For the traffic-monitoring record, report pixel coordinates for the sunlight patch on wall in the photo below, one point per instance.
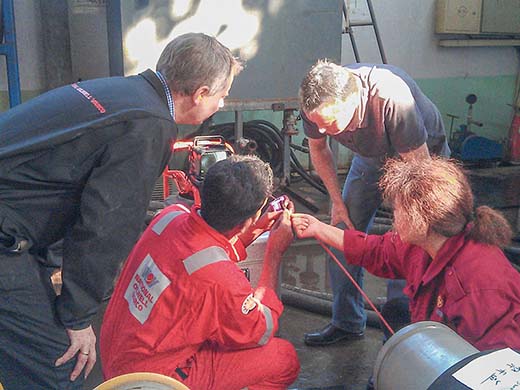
(236, 27)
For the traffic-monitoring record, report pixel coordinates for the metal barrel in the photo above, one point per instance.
(415, 356)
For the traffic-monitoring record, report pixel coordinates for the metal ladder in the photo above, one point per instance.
(8, 49)
(349, 29)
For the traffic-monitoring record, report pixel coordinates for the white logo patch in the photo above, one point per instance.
(145, 288)
(248, 304)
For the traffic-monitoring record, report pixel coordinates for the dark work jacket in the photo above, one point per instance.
(79, 163)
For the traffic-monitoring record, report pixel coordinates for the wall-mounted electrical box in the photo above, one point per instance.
(485, 17)
(500, 16)
(458, 16)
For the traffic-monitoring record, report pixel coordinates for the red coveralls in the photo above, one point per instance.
(183, 308)
(469, 286)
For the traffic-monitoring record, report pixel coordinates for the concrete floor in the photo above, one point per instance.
(346, 365)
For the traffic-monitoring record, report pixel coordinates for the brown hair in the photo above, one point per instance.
(324, 82)
(436, 195)
(193, 60)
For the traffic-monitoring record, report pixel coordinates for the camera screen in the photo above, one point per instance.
(279, 203)
(210, 158)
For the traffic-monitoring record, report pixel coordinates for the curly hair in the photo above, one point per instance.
(233, 190)
(435, 195)
(324, 82)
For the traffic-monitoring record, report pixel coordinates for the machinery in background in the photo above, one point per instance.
(274, 146)
(203, 152)
(180, 185)
(9, 50)
(469, 147)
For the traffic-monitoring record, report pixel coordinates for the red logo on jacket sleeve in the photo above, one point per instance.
(249, 304)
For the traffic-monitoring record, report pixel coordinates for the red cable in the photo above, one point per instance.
(357, 286)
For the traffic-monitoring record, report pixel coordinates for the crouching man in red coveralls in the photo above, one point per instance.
(182, 307)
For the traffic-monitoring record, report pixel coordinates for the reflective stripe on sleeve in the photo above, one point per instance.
(268, 324)
(202, 258)
(165, 220)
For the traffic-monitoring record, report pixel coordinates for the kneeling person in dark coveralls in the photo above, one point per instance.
(183, 308)
(78, 166)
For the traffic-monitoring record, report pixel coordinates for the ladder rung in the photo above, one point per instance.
(359, 24)
(372, 22)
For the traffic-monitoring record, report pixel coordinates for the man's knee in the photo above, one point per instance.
(285, 361)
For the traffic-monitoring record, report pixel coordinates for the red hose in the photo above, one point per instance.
(358, 287)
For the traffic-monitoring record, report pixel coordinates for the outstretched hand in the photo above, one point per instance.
(83, 346)
(305, 225)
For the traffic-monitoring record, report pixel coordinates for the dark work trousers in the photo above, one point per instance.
(396, 312)
(31, 336)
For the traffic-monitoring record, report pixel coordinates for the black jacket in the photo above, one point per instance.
(79, 163)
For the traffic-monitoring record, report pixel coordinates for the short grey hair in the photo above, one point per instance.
(193, 60)
(325, 82)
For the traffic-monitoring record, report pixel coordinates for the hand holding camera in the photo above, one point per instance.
(281, 203)
(271, 213)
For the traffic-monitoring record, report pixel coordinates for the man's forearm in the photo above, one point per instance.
(270, 269)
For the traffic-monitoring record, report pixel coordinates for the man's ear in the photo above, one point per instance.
(246, 224)
(240, 229)
(200, 94)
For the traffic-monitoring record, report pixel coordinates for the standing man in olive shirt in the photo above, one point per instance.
(78, 164)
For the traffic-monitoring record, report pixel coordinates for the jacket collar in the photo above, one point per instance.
(150, 76)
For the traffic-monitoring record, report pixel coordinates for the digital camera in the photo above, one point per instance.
(280, 203)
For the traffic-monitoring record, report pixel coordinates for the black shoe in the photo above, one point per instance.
(330, 335)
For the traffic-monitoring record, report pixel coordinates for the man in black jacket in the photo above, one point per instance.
(78, 164)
